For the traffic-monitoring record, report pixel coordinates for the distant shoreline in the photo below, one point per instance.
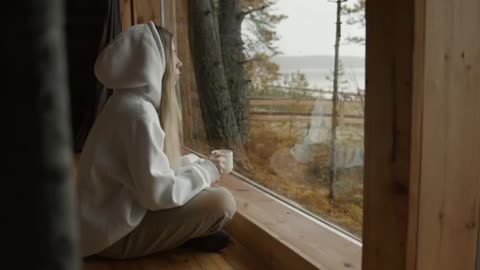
(317, 67)
(317, 55)
(316, 61)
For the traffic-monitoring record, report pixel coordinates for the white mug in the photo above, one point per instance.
(228, 155)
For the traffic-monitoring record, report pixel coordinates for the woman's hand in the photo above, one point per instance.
(219, 162)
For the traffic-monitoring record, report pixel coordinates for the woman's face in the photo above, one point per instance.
(176, 61)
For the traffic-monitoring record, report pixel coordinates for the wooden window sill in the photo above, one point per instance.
(285, 237)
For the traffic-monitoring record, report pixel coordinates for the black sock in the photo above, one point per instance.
(210, 243)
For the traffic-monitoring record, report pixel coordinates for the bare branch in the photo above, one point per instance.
(246, 61)
(245, 13)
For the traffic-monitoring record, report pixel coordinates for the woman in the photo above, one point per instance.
(137, 195)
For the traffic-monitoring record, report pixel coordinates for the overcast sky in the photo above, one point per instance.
(310, 29)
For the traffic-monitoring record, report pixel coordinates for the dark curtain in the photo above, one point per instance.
(111, 27)
(38, 215)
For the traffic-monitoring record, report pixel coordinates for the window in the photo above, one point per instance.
(295, 87)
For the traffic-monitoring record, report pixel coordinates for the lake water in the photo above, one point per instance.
(317, 67)
(354, 77)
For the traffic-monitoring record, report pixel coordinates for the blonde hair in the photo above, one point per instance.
(170, 108)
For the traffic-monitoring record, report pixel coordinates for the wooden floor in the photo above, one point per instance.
(234, 256)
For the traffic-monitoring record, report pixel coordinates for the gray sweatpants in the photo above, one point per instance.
(204, 214)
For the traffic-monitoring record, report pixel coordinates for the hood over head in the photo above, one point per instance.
(134, 61)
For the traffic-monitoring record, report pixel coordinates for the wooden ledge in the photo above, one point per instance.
(284, 237)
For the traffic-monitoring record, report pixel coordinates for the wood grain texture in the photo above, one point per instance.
(286, 238)
(170, 16)
(388, 107)
(147, 10)
(193, 125)
(234, 257)
(126, 13)
(417, 135)
(450, 187)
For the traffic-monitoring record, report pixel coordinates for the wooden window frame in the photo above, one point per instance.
(405, 40)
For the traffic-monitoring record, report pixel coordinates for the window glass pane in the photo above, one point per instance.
(293, 147)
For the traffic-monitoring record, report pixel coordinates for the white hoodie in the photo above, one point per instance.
(123, 170)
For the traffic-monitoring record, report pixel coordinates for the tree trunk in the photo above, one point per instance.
(230, 19)
(333, 152)
(217, 111)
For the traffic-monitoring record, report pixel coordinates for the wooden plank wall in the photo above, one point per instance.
(141, 11)
(187, 78)
(170, 14)
(478, 249)
(422, 189)
(416, 141)
(449, 198)
(193, 129)
(176, 21)
(148, 10)
(387, 132)
(126, 13)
